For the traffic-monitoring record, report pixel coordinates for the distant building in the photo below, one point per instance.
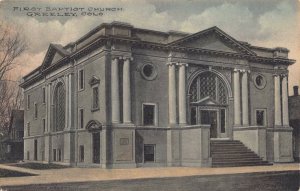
(122, 96)
(294, 113)
(14, 144)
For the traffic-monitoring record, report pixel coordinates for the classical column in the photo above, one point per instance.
(126, 92)
(182, 94)
(285, 110)
(172, 94)
(245, 102)
(277, 100)
(115, 100)
(237, 99)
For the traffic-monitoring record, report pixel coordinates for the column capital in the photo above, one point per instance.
(114, 57)
(245, 71)
(236, 70)
(182, 64)
(241, 70)
(284, 75)
(127, 58)
(170, 63)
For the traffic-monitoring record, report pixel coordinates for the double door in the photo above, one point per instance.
(215, 117)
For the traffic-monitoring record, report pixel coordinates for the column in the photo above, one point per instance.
(182, 94)
(245, 103)
(126, 92)
(115, 100)
(172, 94)
(277, 100)
(71, 101)
(49, 107)
(237, 99)
(285, 105)
(67, 101)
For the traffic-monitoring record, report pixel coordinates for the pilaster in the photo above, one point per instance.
(277, 104)
(285, 105)
(115, 99)
(126, 91)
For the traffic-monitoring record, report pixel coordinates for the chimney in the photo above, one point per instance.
(296, 93)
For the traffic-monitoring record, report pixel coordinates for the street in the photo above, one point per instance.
(266, 181)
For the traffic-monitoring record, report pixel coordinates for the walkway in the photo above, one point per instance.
(96, 174)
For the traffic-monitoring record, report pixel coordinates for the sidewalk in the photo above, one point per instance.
(96, 174)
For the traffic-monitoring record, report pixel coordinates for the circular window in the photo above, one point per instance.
(259, 81)
(149, 71)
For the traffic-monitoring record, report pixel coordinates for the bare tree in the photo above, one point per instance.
(11, 97)
(12, 45)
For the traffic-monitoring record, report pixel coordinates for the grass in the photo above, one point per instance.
(39, 166)
(10, 173)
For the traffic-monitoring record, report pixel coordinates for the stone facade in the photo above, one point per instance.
(122, 96)
(294, 115)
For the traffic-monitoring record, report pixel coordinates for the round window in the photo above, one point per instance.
(259, 81)
(149, 71)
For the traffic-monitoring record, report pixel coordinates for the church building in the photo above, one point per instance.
(125, 97)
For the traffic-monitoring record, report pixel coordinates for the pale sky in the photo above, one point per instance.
(268, 23)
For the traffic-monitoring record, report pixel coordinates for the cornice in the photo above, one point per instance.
(137, 43)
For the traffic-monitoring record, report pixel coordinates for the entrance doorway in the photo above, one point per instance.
(96, 147)
(208, 102)
(210, 117)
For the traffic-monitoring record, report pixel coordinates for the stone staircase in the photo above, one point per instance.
(232, 153)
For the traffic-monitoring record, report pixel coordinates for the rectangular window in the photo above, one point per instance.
(44, 125)
(44, 95)
(193, 115)
(28, 129)
(81, 153)
(28, 155)
(148, 114)
(205, 117)
(260, 117)
(223, 120)
(28, 101)
(81, 115)
(54, 154)
(149, 153)
(35, 110)
(35, 149)
(81, 79)
(95, 98)
(59, 154)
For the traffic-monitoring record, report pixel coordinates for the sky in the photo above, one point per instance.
(268, 23)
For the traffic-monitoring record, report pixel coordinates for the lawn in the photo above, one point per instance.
(39, 166)
(10, 173)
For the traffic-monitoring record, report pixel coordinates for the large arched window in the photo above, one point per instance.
(59, 108)
(208, 84)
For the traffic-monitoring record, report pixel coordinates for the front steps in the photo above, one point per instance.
(232, 153)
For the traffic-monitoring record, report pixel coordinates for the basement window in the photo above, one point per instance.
(149, 153)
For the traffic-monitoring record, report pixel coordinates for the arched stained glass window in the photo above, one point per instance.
(208, 84)
(59, 108)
